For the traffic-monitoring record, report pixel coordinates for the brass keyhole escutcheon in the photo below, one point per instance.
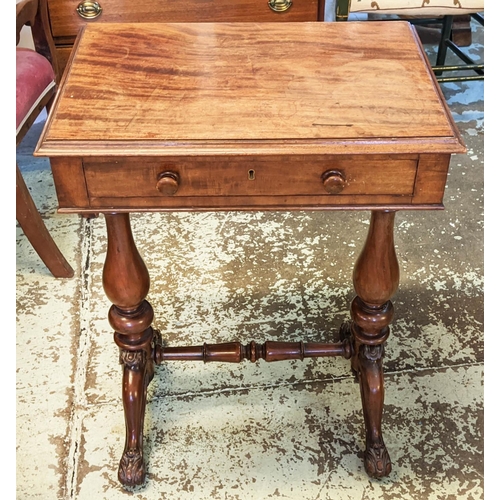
(89, 9)
(251, 174)
(279, 5)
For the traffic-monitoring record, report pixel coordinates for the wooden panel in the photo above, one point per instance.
(252, 82)
(66, 22)
(431, 178)
(69, 181)
(250, 176)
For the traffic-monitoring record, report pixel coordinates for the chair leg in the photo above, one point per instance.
(443, 42)
(35, 230)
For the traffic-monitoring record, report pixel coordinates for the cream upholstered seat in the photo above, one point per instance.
(420, 8)
(426, 12)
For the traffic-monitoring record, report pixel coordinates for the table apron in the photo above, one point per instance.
(280, 182)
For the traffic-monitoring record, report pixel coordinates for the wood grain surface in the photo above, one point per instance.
(147, 87)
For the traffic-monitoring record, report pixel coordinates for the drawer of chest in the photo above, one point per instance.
(68, 16)
(250, 176)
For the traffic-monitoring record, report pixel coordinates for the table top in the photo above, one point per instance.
(245, 88)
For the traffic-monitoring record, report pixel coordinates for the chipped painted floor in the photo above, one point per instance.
(289, 430)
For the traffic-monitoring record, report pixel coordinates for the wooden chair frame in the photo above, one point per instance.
(34, 13)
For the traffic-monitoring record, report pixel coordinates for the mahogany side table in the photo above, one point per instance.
(249, 116)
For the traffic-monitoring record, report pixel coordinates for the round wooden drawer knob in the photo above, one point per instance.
(168, 183)
(333, 181)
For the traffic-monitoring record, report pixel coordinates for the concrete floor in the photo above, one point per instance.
(249, 432)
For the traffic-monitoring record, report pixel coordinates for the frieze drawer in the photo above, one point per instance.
(179, 182)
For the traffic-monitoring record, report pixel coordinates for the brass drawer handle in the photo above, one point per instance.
(168, 183)
(89, 9)
(279, 5)
(333, 181)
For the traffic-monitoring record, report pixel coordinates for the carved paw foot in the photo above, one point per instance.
(132, 471)
(377, 461)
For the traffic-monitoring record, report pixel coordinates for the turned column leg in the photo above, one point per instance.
(376, 278)
(126, 283)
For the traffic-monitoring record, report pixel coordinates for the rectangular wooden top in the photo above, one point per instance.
(244, 88)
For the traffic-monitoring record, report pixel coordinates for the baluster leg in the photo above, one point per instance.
(126, 283)
(376, 278)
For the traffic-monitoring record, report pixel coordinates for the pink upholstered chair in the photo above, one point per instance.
(36, 84)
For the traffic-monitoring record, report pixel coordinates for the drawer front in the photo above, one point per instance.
(66, 21)
(263, 181)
